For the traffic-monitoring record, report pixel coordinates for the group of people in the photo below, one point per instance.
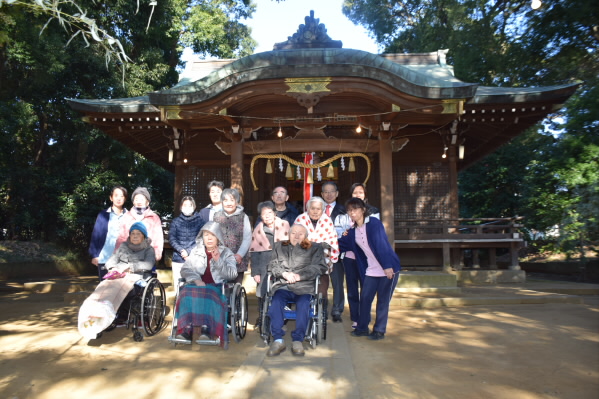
(217, 244)
(125, 245)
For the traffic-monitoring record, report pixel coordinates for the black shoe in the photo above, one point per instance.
(184, 336)
(337, 318)
(360, 333)
(205, 331)
(376, 336)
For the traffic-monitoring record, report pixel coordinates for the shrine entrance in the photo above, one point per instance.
(407, 114)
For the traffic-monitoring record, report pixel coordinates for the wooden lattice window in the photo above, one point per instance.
(195, 181)
(421, 192)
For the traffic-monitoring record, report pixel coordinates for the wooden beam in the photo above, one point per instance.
(291, 145)
(179, 180)
(454, 208)
(386, 181)
(237, 166)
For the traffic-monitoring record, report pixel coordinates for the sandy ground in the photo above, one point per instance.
(501, 351)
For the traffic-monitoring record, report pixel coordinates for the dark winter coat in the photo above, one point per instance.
(182, 234)
(308, 263)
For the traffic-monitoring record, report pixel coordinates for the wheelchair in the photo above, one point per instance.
(237, 316)
(317, 325)
(144, 308)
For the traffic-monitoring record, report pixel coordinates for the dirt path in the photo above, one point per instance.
(503, 351)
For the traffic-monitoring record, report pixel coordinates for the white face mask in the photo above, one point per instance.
(187, 210)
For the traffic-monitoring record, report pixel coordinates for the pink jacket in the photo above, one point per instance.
(260, 242)
(323, 232)
(153, 224)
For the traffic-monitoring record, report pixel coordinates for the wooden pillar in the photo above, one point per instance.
(454, 206)
(514, 263)
(493, 258)
(446, 257)
(475, 259)
(179, 175)
(237, 165)
(386, 181)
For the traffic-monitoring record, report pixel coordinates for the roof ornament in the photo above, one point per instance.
(312, 34)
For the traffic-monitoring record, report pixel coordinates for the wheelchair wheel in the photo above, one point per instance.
(138, 336)
(265, 324)
(318, 320)
(321, 321)
(153, 307)
(239, 312)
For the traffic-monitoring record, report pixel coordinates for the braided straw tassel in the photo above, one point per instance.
(331, 171)
(352, 165)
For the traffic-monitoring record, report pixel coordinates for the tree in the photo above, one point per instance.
(506, 43)
(57, 171)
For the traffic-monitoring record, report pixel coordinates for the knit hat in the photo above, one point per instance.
(141, 227)
(143, 191)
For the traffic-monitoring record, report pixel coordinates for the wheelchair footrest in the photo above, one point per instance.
(208, 341)
(179, 341)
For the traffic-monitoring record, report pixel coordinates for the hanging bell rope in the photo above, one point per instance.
(307, 165)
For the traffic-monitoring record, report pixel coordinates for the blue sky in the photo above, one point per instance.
(273, 22)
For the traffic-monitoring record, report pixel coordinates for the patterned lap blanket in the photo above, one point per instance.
(198, 306)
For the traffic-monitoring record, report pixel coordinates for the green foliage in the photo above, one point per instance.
(212, 27)
(550, 174)
(56, 170)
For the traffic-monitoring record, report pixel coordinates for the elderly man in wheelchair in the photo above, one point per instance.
(129, 293)
(295, 268)
(207, 301)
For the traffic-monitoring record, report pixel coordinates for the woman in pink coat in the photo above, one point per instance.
(141, 212)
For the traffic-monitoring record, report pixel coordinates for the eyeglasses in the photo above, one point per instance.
(279, 193)
(329, 192)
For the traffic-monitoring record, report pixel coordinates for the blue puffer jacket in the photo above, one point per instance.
(182, 234)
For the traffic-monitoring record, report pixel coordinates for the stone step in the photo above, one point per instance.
(57, 286)
(486, 300)
(479, 276)
(437, 290)
(418, 279)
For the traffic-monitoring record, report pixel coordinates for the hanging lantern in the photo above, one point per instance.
(289, 172)
(268, 167)
(309, 178)
(331, 171)
(352, 166)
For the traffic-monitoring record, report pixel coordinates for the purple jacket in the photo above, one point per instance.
(378, 243)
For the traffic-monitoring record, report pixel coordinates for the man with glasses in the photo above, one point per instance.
(329, 193)
(284, 209)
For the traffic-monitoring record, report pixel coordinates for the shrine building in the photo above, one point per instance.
(400, 123)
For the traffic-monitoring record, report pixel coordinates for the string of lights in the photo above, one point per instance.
(278, 120)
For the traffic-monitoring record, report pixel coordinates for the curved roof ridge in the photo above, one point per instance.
(427, 81)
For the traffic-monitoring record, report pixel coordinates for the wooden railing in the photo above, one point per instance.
(463, 233)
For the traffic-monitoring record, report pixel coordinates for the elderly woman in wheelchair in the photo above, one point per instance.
(295, 267)
(129, 280)
(206, 299)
